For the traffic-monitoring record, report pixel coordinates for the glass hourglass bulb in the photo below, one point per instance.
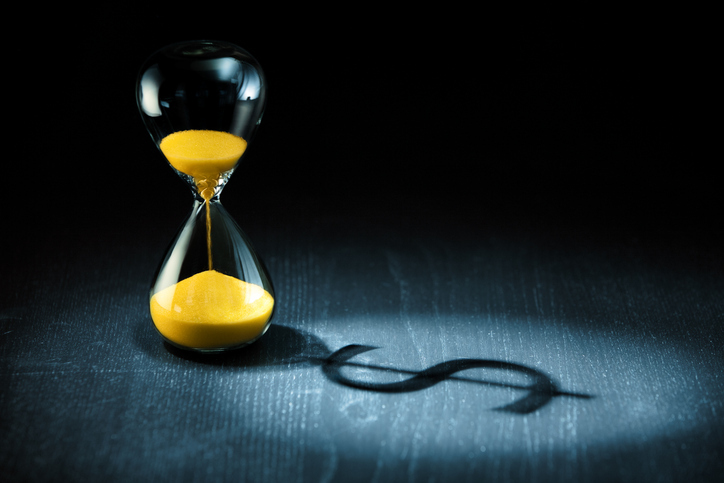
(202, 102)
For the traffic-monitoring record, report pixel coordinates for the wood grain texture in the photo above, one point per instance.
(90, 391)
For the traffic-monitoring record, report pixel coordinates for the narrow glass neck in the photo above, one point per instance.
(207, 189)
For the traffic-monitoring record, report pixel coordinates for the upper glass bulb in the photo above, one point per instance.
(202, 102)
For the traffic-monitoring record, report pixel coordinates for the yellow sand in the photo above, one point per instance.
(203, 154)
(211, 310)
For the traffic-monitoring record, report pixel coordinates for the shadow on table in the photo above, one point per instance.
(285, 346)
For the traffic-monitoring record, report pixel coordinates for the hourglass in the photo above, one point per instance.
(202, 102)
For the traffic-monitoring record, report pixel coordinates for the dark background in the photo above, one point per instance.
(443, 182)
(582, 118)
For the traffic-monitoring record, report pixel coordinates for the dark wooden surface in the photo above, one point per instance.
(526, 221)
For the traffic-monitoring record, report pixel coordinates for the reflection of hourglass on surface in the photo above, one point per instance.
(202, 101)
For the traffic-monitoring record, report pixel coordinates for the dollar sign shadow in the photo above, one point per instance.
(539, 393)
(288, 347)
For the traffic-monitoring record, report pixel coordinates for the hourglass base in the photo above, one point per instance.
(214, 350)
